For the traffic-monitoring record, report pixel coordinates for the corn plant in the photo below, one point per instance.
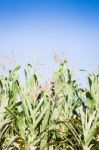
(60, 116)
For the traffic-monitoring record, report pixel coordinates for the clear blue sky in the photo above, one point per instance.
(33, 29)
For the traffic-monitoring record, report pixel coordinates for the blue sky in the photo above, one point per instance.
(32, 29)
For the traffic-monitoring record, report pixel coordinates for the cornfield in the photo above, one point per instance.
(58, 116)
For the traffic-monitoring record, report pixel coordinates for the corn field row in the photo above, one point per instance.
(58, 116)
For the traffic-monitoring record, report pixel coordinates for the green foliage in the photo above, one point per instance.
(62, 116)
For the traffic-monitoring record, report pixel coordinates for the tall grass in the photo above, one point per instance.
(60, 116)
